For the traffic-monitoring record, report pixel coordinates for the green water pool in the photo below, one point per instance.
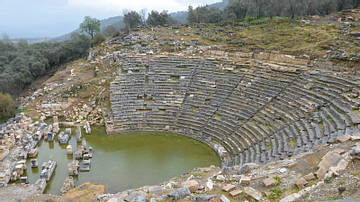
(125, 161)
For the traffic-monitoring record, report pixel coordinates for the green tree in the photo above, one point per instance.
(214, 15)
(155, 18)
(238, 8)
(110, 30)
(74, 36)
(90, 26)
(7, 105)
(22, 44)
(131, 19)
(191, 18)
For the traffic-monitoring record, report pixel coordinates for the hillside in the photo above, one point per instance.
(277, 99)
(117, 21)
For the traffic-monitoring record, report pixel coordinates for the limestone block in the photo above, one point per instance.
(229, 187)
(33, 152)
(224, 199)
(220, 178)
(320, 173)
(355, 137)
(204, 198)
(235, 192)
(328, 175)
(291, 198)
(343, 138)
(245, 180)
(191, 184)
(356, 153)
(141, 199)
(155, 190)
(269, 182)
(132, 196)
(69, 149)
(309, 176)
(209, 185)
(301, 183)
(253, 193)
(179, 193)
(331, 159)
(244, 169)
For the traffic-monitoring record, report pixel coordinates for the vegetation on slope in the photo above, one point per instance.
(21, 63)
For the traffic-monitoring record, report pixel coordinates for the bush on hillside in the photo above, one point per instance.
(7, 105)
(98, 39)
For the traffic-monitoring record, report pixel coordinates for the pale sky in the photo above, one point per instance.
(52, 18)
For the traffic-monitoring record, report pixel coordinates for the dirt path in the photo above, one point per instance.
(39, 82)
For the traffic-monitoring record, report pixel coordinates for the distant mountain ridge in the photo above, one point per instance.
(181, 16)
(116, 21)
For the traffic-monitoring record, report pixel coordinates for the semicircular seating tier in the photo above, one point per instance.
(258, 114)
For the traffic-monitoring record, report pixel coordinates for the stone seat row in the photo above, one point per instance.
(257, 117)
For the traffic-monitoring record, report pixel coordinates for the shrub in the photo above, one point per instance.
(277, 180)
(275, 193)
(116, 34)
(7, 105)
(98, 39)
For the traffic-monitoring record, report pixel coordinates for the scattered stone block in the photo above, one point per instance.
(328, 175)
(301, 183)
(269, 182)
(191, 184)
(355, 137)
(141, 199)
(224, 199)
(229, 187)
(74, 168)
(69, 149)
(209, 185)
(356, 153)
(245, 180)
(179, 193)
(339, 151)
(33, 153)
(67, 185)
(4, 151)
(331, 159)
(253, 193)
(133, 195)
(206, 170)
(244, 169)
(220, 178)
(205, 198)
(343, 138)
(290, 165)
(333, 170)
(320, 173)
(282, 170)
(235, 177)
(291, 198)
(309, 176)
(230, 171)
(235, 192)
(155, 190)
(24, 180)
(34, 163)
